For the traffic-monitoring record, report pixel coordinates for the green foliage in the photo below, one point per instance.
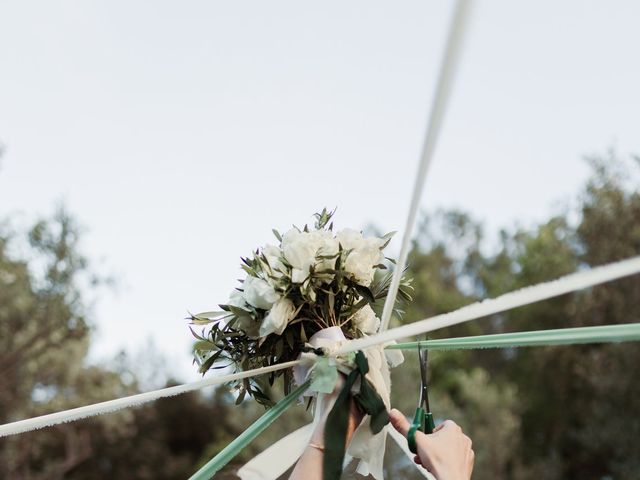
(327, 295)
(44, 337)
(553, 413)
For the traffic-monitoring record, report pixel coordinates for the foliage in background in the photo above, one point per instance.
(44, 337)
(553, 413)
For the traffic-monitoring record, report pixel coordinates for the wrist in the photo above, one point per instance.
(355, 418)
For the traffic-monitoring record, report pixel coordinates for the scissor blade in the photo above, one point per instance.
(424, 395)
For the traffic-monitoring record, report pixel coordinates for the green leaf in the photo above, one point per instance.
(288, 335)
(405, 294)
(204, 345)
(277, 235)
(239, 312)
(195, 321)
(210, 361)
(386, 239)
(249, 270)
(261, 397)
(366, 293)
(241, 395)
(196, 335)
(211, 315)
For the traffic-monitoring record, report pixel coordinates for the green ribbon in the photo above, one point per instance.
(235, 447)
(371, 403)
(565, 336)
(335, 434)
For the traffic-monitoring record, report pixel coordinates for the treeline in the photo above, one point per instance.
(553, 412)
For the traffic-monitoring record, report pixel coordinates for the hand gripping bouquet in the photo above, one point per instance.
(300, 299)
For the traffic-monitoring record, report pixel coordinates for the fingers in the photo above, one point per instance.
(450, 425)
(438, 427)
(399, 422)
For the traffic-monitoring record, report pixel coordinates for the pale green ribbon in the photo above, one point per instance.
(214, 465)
(567, 336)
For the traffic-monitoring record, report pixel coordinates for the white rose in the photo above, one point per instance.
(274, 258)
(278, 317)
(237, 299)
(245, 322)
(349, 238)
(300, 252)
(301, 249)
(259, 293)
(365, 320)
(326, 246)
(365, 254)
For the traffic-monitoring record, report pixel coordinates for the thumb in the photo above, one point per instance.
(399, 421)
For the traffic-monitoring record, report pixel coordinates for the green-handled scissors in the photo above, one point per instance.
(422, 420)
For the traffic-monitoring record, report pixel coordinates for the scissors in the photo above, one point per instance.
(423, 419)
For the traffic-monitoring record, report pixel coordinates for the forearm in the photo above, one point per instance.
(309, 466)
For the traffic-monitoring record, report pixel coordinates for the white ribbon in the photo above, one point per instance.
(402, 443)
(101, 408)
(441, 95)
(570, 283)
(279, 457)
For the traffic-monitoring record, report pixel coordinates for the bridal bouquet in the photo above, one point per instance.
(311, 280)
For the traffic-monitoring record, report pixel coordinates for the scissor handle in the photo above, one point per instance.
(422, 421)
(417, 424)
(429, 426)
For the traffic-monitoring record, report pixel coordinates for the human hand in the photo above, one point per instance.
(309, 466)
(446, 453)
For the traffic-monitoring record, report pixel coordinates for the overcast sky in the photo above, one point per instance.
(180, 133)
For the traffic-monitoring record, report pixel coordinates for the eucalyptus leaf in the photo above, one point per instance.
(288, 334)
(241, 395)
(204, 345)
(211, 315)
(366, 293)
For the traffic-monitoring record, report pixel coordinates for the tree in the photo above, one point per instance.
(565, 410)
(45, 333)
(551, 412)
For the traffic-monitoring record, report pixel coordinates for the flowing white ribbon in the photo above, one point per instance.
(450, 58)
(525, 296)
(109, 406)
(279, 457)
(519, 298)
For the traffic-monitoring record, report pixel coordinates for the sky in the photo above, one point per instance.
(181, 133)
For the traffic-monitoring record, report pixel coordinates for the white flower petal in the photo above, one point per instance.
(278, 317)
(259, 293)
(365, 320)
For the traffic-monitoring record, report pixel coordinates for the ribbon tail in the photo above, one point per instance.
(336, 431)
(402, 443)
(278, 458)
